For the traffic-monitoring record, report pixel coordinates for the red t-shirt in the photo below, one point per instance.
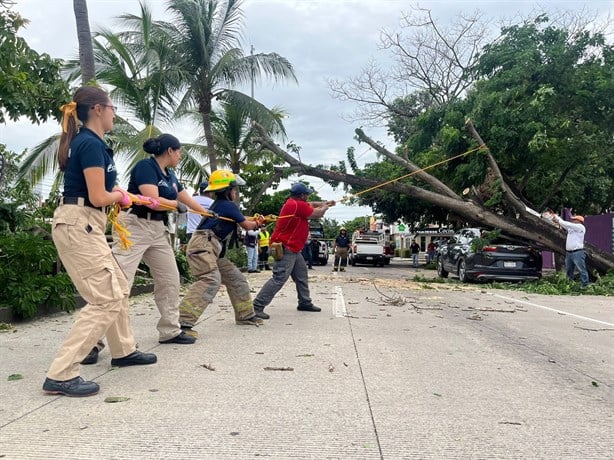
(293, 231)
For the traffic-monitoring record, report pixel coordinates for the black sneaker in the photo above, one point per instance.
(136, 358)
(253, 321)
(74, 387)
(261, 314)
(308, 308)
(92, 357)
(181, 339)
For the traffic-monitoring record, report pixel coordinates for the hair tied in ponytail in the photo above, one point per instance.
(69, 110)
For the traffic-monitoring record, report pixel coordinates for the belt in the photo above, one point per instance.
(208, 232)
(150, 215)
(575, 250)
(80, 201)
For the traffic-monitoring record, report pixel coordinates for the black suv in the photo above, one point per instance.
(473, 254)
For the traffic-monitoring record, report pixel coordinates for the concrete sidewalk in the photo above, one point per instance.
(357, 381)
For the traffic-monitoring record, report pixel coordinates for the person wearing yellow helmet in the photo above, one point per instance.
(206, 251)
(341, 248)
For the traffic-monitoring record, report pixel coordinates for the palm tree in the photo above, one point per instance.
(84, 37)
(206, 41)
(137, 67)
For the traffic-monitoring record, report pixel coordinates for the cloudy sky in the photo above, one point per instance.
(323, 39)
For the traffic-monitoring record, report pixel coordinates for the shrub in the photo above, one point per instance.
(28, 275)
(237, 256)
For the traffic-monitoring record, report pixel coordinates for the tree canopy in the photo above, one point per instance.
(30, 83)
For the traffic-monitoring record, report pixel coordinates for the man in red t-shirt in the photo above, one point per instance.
(292, 231)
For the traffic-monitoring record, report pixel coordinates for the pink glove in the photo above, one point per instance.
(148, 201)
(125, 200)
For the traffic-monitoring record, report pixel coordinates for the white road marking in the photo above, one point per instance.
(554, 310)
(338, 302)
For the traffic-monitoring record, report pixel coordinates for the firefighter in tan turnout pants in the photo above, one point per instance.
(205, 253)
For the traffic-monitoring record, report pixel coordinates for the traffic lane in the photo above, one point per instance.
(461, 383)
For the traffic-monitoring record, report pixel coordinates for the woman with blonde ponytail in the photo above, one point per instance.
(78, 231)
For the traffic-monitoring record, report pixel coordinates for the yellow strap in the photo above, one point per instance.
(69, 110)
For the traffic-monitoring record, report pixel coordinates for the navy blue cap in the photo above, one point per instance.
(299, 189)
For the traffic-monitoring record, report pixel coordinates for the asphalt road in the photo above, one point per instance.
(390, 369)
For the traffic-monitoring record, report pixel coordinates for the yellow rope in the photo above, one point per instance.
(122, 232)
(480, 147)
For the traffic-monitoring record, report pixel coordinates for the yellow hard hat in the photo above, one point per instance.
(221, 179)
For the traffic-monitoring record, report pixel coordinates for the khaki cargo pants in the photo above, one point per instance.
(210, 272)
(79, 236)
(151, 243)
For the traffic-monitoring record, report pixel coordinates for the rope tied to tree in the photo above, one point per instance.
(478, 148)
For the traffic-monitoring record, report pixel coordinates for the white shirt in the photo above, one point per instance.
(193, 218)
(575, 234)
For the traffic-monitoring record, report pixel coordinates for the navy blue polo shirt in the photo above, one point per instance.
(148, 172)
(222, 227)
(87, 150)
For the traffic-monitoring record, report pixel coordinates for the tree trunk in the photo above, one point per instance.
(522, 223)
(84, 36)
(205, 111)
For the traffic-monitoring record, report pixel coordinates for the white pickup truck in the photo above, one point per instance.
(368, 248)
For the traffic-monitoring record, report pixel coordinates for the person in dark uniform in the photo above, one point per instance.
(341, 248)
(154, 179)
(206, 251)
(78, 231)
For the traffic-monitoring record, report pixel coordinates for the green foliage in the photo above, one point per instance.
(559, 284)
(184, 268)
(30, 83)
(477, 244)
(237, 256)
(27, 275)
(540, 103)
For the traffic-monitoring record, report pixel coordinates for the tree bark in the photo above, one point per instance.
(522, 223)
(84, 37)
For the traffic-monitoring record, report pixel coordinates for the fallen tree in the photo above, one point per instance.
(518, 219)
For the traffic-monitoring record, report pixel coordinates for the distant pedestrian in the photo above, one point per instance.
(430, 252)
(341, 248)
(574, 245)
(292, 230)
(414, 249)
(263, 248)
(251, 244)
(308, 254)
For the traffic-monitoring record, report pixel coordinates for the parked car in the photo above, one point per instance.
(369, 248)
(471, 256)
(321, 255)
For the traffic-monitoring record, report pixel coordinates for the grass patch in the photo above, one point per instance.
(555, 284)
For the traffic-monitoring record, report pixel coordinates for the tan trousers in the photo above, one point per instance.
(210, 272)
(151, 243)
(79, 236)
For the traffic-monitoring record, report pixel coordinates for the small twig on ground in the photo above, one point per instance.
(388, 299)
(278, 368)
